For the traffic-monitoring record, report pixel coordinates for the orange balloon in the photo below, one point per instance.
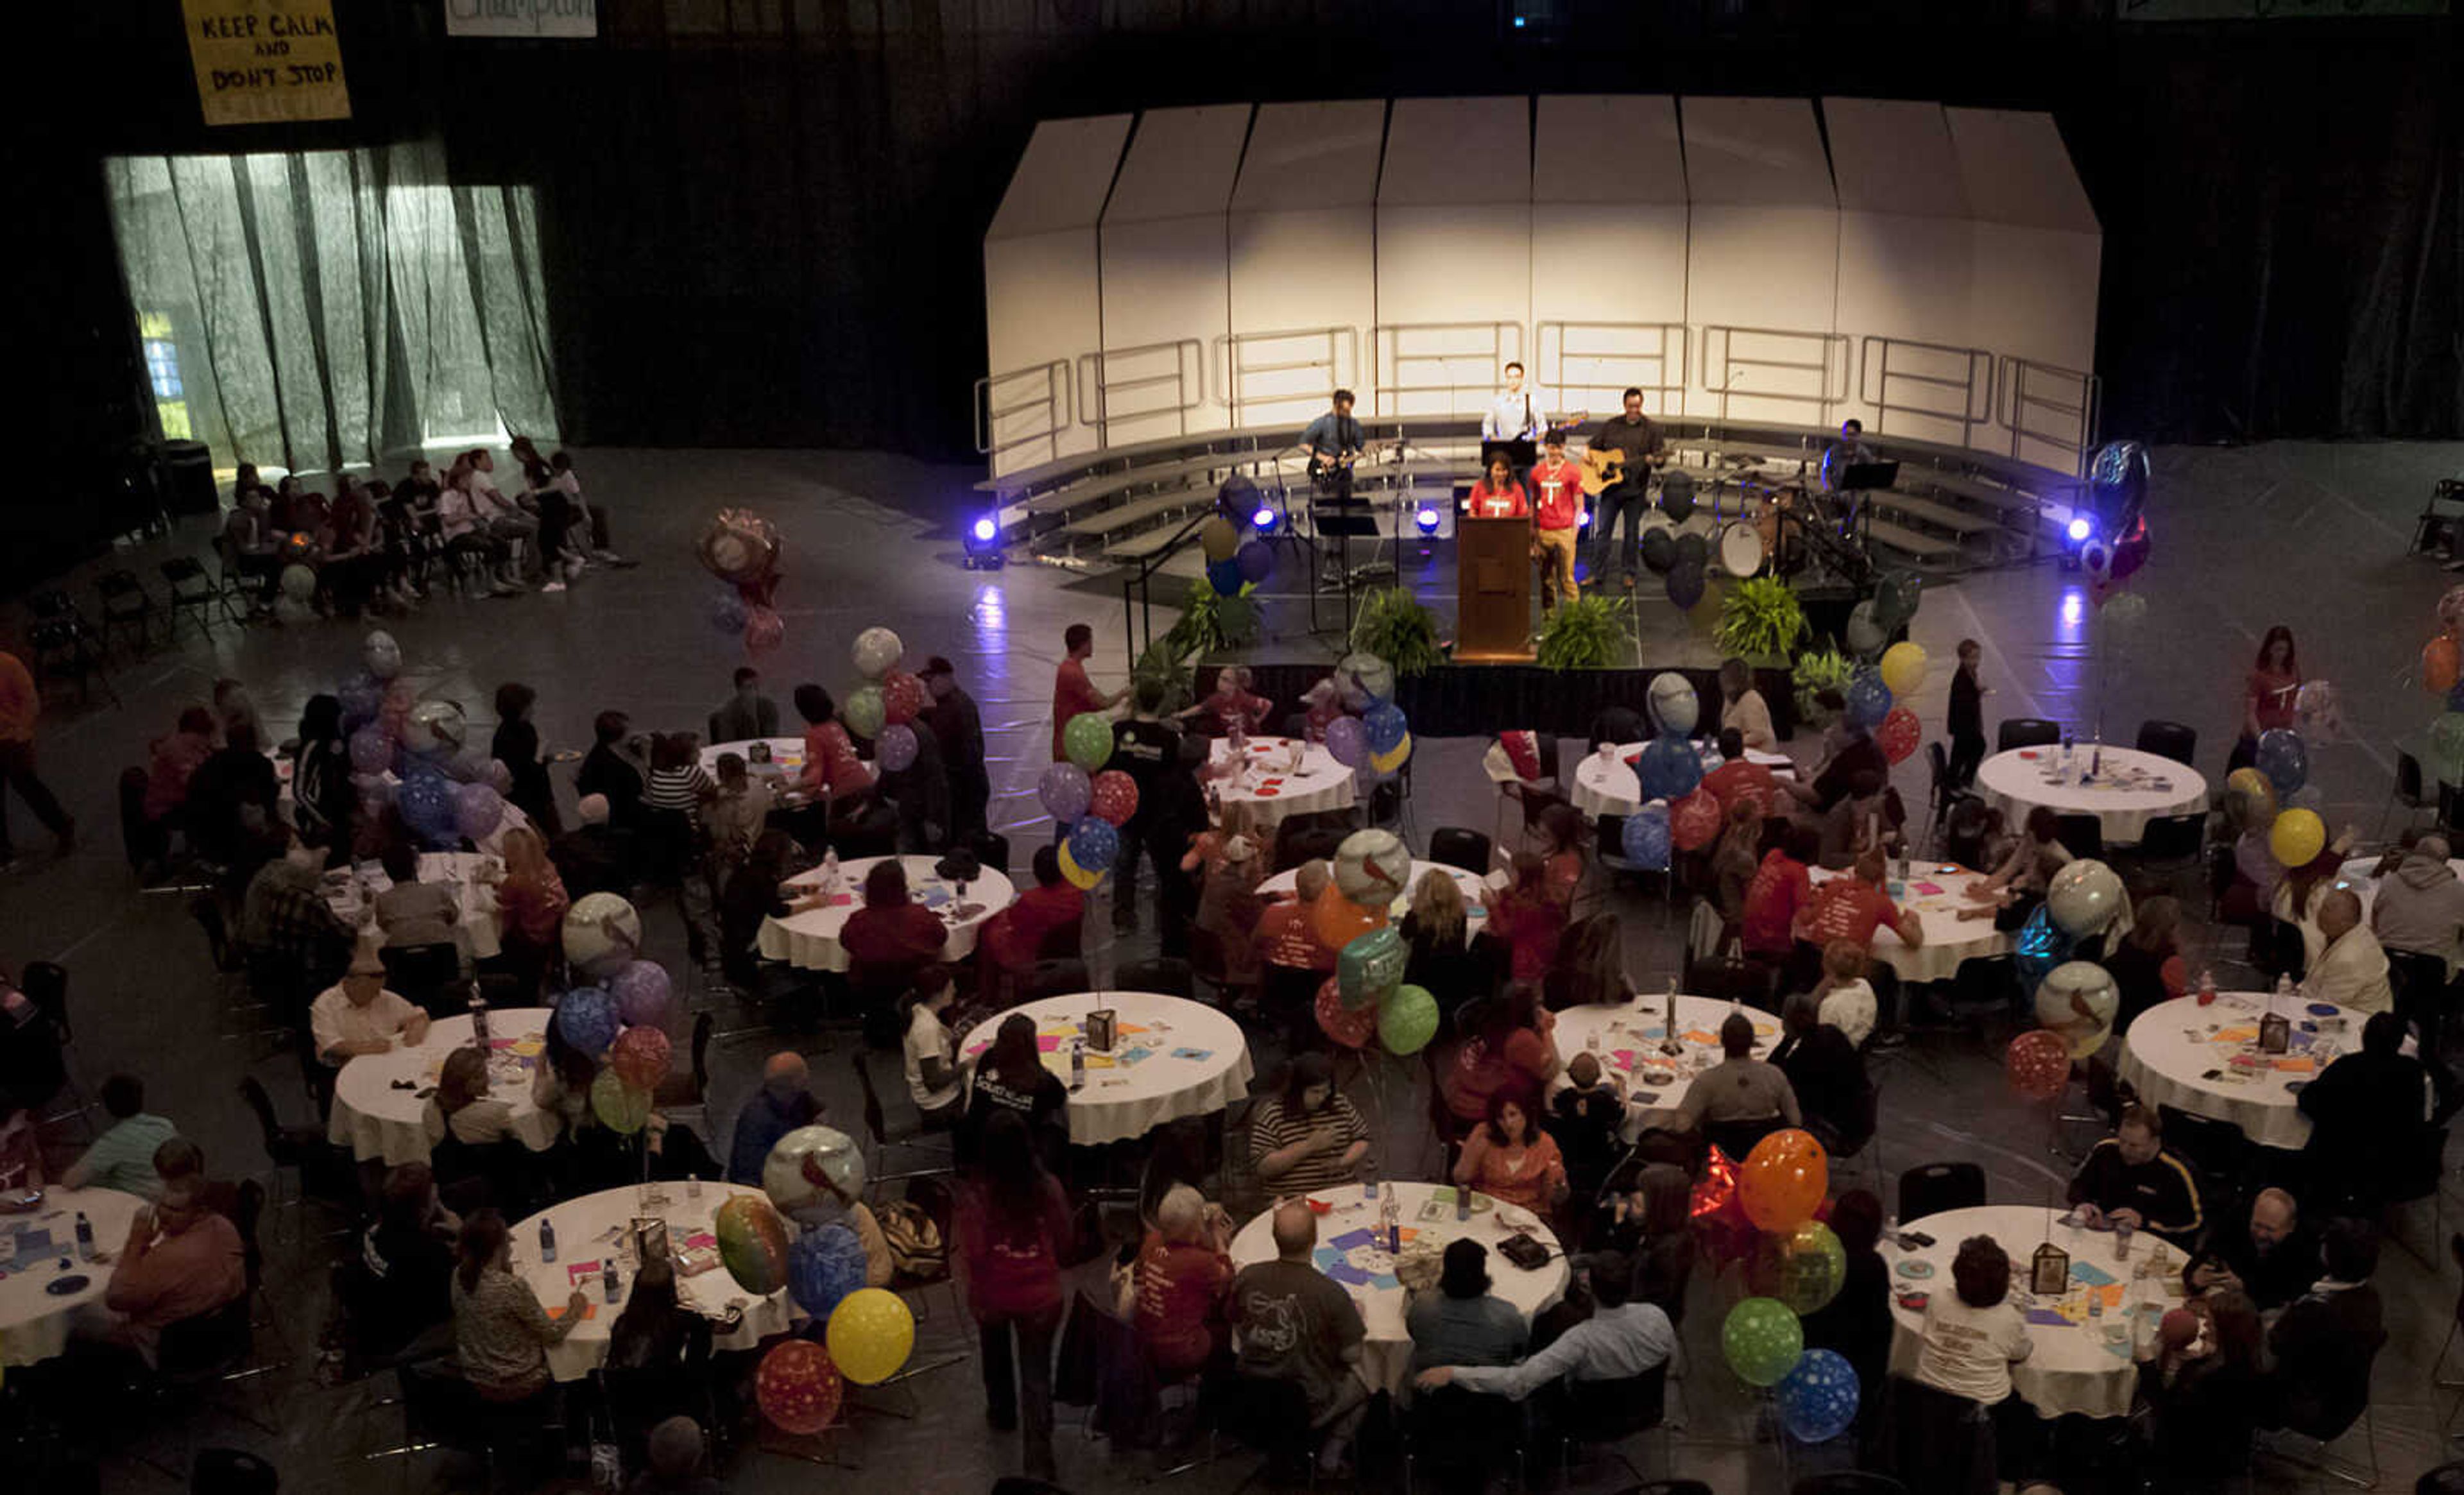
(1339, 921)
(1784, 1181)
(2439, 662)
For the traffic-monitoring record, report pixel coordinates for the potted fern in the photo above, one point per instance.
(1760, 621)
(1819, 670)
(1589, 632)
(1394, 625)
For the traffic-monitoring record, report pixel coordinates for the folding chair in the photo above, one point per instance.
(191, 595)
(2020, 732)
(2407, 791)
(128, 606)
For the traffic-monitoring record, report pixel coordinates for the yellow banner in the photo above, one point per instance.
(260, 62)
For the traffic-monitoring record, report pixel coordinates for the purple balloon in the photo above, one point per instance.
(727, 613)
(372, 751)
(1257, 560)
(897, 747)
(477, 809)
(1065, 791)
(1348, 740)
(641, 990)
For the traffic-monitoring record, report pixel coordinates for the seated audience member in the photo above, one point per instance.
(832, 771)
(2020, 878)
(21, 1151)
(1011, 1077)
(890, 939)
(1460, 1322)
(748, 712)
(1527, 919)
(359, 1016)
(1857, 1321)
(2269, 1256)
(2323, 1343)
(930, 1054)
(1852, 750)
(757, 891)
(1857, 823)
(410, 911)
(1590, 967)
(1309, 1136)
(516, 746)
(180, 1158)
(2204, 1397)
(594, 857)
(1229, 907)
(674, 1456)
(1740, 1090)
(2418, 907)
(1974, 1333)
(609, 769)
(256, 548)
(1564, 857)
(2367, 1111)
(1232, 704)
(1183, 1266)
(1287, 930)
(1512, 1047)
(1045, 918)
(2350, 970)
(1734, 861)
(122, 1157)
(1622, 1339)
(501, 1334)
(174, 761)
(781, 1105)
(181, 1260)
(462, 1107)
(1511, 1159)
(1010, 1230)
(1741, 780)
(1782, 888)
(1291, 1324)
(2129, 1179)
(1844, 999)
(1852, 908)
(1440, 958)
(532, 899)
(2146, 963)
(408, 1256)
(1827, 1075)
(1586, 1118)
(1743, 711)
(232, 796)
(286, 922)
(736, 815)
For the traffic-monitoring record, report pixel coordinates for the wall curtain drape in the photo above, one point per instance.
(334, 307)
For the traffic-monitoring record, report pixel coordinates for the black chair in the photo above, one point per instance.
(2407, 791)
(1273, 1417)
(686, 1096)
(1301, 839)
(2218, 1150)
(992, 851)
(1056, 978)
(2082, 836)
(1933, 1188)
(191, 594)
(1737, 1139)
(1461, 1431)
(1165, 975)
(1617, 726)
(2169, 740)
(2172, 845)
(1455, 845)
(1942, 792)
(429, 975)
(905, 1131)
(65, 648)
(46, 984)
(319, 1168)
(1604, 1414)
(126, 606)
(2022, 731)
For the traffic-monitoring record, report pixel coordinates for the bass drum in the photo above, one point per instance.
(1741, 549)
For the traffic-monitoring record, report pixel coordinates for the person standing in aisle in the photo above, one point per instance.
(21, 704)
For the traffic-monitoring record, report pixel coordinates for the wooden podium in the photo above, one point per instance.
(1493, 569)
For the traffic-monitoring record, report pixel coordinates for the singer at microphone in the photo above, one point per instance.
(1633, 438)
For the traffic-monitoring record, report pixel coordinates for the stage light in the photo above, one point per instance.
(983, 542)
(985, 530)
(1426, 520)
(1264, 521)
(2080, 530)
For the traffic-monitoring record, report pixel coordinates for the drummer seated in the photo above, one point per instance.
(2129, 1179)
(360, 1016)
(181, 1261)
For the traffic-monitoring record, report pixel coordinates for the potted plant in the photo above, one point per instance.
(1394, 625)
(1760, 621)
(1819, 670)
(1586, 633)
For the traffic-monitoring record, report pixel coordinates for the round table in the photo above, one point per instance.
(2135, 788)
(1286, 884)
(1607, 785)
(591, 1229)
(375, 1121)
(480, 931)
(1628, 1038)
(786, 757)
(810, 940)
(1171, 1058)
(2168, 1053)
(35, 1324)
(1273, 790)
(1937, 891)
(1347, 1253)
(2077, 1365)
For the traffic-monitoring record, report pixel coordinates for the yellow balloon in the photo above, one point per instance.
(2298, 837)
(1903, 668)
(870, 1335)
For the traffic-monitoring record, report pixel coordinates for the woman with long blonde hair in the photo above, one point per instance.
(1435, 931)
(533, 900)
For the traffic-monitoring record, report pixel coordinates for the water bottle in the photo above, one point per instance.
(1077, 1063)
(2206, 987)
(478, 1018)
(2096, 763)
(830, 869)
(1462, 1203)
(1390, 1221)
(84, 1238)
(547, 1241)
(608, 1279)
(1369, 1178)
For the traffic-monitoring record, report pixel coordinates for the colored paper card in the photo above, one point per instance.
(1193, 1055)
(589, 1311)
(2235, 1036)
(33, 1243)
(1354, 1240)
(1698, 1036)
(580, 1272)
(1621, 1058)
(2047, 1318)
(1135, 1056)
(839, 900)
(2087, 1274)
(1443, 1194)
(2298, 1066)
(1102, 1061)
(2111, 1294)
(1931, 888)
(1048, 1042)
(1349, 1275)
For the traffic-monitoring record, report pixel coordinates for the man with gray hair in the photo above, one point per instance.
(2269, 1256)
(1294, 1324)
(673, 1453)
(2419, 906)
(2352, 969)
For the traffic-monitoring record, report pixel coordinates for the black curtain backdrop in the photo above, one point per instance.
(762, 219)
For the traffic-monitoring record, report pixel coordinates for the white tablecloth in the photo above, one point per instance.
(810, 940)
(2013, 782)
(1475, 913)
(1347, 1253)
(1628, 1046)
(1949, 939)
(1607, 786)
(1271, 791)
(1191, 1061)
(786, 757)
(375, 1120)
(2076, 1367)
(590, 1228)
(35, 1323)
(480, 931)
(2168, 1053)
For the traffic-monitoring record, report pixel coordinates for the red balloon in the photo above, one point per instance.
(902, 697)
(1115, 797)
(796, 1387)
(1898, 735)
(2038, 1064)
(1351, 1029)
(640, 1055)
(1694, 820)
(765, 629)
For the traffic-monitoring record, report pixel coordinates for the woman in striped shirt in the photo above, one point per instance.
(671, 802)
(1308, 1137)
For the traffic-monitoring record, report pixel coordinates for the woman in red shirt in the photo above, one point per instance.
(533, 900)
(890, 938)
(832, 769)
(1496, 496)
(1182, 1270)
(1511, 1159)
(1514, 1048)
(1012, 1225)
(1528, 917)
(2268, 693)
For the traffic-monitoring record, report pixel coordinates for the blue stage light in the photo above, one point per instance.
(982, 543)
(1426, 520)
(1264, 521)
(2080, 530)
(985, 530)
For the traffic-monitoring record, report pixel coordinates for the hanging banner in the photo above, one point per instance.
(521, 18)
(265, 61)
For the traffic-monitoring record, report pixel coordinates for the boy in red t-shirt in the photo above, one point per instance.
(1781, 888)
(1557, 488)
(1287, 936)
(1852, 908)
(1736, 778)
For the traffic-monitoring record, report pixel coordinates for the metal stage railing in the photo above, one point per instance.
(1590, 365)
(1413, 364)
(1294, 368)
(1021, 408)
(1937, 385)
(1775, 363)
(1152, 380)
(2049, 409)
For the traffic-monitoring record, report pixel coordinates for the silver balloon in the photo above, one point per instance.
(805, 1159)
(1865, 635)
(602, 932)
(381, 655)
(2078, 1000)
(1674, 704)
(436, 727)
(2083, 897)
(1372, 868)
(877, 652)
(1366, 676)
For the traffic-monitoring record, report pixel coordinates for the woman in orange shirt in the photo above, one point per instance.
(1511, 1159)
(1498, 495)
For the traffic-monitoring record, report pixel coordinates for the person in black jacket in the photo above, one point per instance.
(322, 798)
(1857, 1321)
(1585, 1119)
(2130, 1179)
(606, 770)
(2367, 1112)
(516, 746)
(1146, 747)
(958, 728)
(2202, 1408)
(2324, 1343)
(1966, 716)
(1175, 814)
(2269, 1255)
(1827, 1073)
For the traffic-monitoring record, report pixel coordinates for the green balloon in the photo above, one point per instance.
(1408, 1020)
(624, 1109)
(862, 713)
(1802, 1267)
(1369, 967)
(1763, 1341)
(2447, 747)
(1088, 741)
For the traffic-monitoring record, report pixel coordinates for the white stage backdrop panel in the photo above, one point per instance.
(1167, 281)
(1762, 256)
(1303, 244)
(2034, 290)
(1042, 289)
(1608, 252)
(1905, 253)
(1453, 253)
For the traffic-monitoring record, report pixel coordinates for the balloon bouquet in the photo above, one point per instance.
(621, 1016)
(1089, 801)
(1888, 675)
(1794, 1265)
(1375, 740)
(1235, 566)
(414, 757)
(2442, 674)
(741, 549)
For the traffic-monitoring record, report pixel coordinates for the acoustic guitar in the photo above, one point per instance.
(1604, 468)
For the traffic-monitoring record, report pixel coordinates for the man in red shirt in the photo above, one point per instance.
(1556, 511)
(1072, 692)
(1286, 934)
(1015, 938)
(1736, 777)
(1781, 888)
(1852, 908)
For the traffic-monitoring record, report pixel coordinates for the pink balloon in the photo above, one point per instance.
(763, 629)
(641, 990)
(897, 745)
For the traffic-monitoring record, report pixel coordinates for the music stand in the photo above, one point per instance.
(1861, 475)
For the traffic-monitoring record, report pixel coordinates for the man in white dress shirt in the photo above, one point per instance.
(360, 1015)
(1513, 423)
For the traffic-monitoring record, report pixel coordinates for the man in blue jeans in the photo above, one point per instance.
(1634, 436)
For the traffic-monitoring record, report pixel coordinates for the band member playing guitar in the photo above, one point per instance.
(1334, 443)
(1632, 440)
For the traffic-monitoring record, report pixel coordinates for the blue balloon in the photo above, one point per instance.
(2284, 758)
(362, 698)
(1093, 842)
(1669, 768)
(1386, 726)
(427, 804)
(823, 1267)
(1256, 560)
(587, 1018)
(1869, 699)
(2041, 946)
(1224, 576)
(1817, 1400)
(727, 613)
(1646, 836)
